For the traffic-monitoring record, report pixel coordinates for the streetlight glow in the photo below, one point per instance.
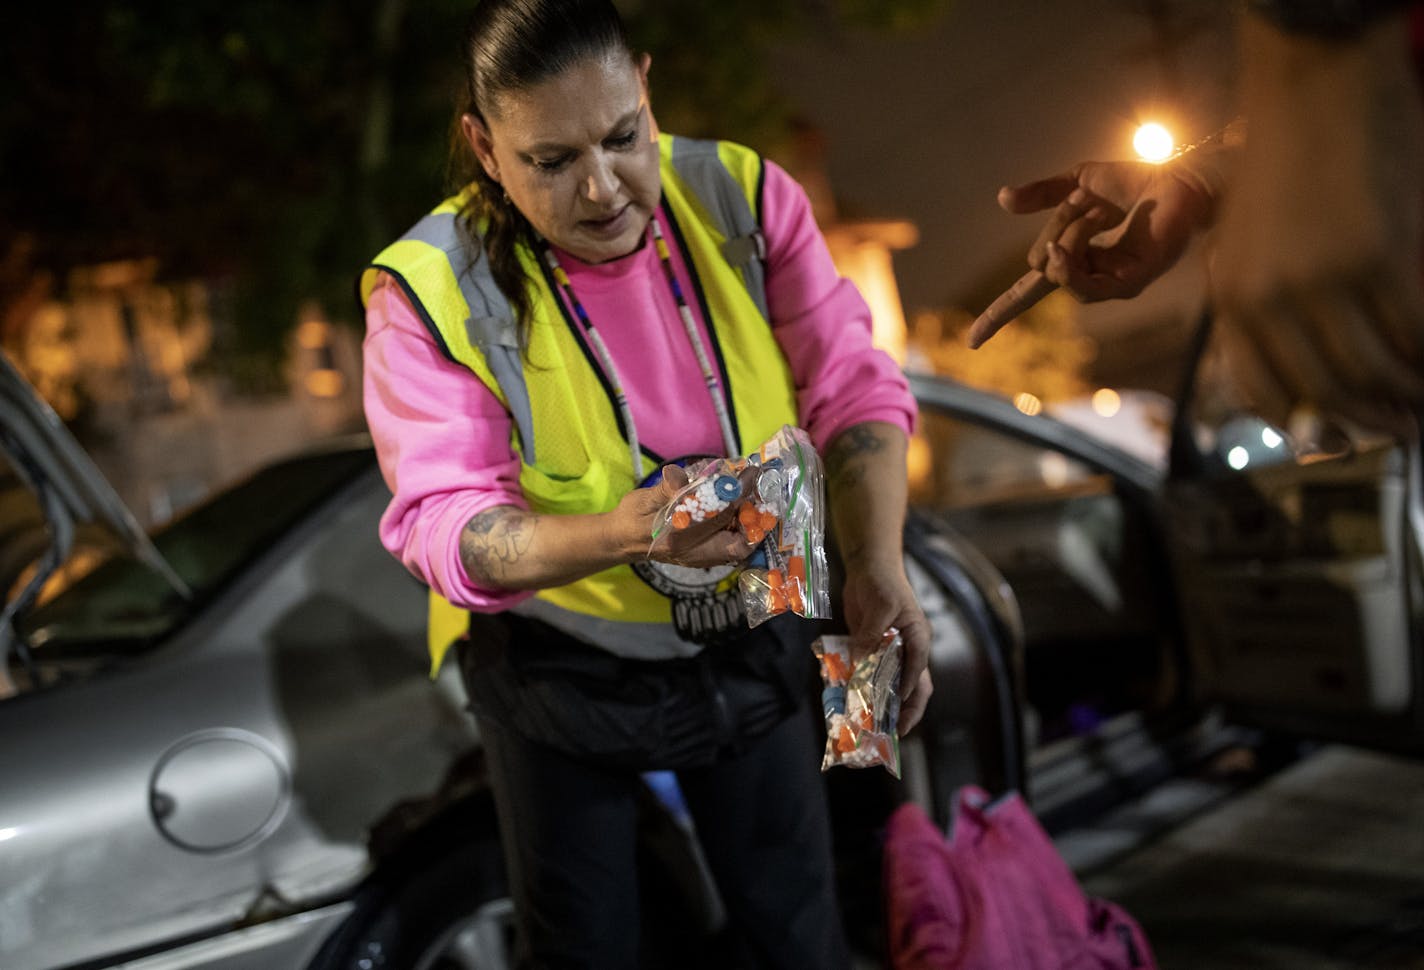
(1153, 142)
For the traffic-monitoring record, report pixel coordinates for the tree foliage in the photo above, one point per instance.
(1043, 352)
(227, 139)
(277, 145)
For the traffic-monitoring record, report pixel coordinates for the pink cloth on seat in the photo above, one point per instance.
(995, 896)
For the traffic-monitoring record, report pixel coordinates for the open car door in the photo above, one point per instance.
(1299, 579)
(38, 452)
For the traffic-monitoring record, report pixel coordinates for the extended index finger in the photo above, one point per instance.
(1035, 196)
(1026, 291)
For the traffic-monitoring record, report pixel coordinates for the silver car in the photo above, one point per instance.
(221, 748)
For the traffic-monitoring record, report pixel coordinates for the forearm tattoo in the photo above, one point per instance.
(850, 454)
(493, 541)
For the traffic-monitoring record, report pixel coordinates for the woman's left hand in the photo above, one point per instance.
(876, 599)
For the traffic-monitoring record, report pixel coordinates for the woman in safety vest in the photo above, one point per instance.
(598, 301)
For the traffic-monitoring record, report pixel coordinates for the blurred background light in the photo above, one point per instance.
(1027, 403)
(919, 461)
(324, 382)
(1054, 468)
(1106, 402)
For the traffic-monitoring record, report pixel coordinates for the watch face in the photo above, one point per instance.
(706, 602)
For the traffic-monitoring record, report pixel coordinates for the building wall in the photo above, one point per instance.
(124, 359)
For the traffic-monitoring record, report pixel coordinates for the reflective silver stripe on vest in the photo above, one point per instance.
(636, 641)
(491, 325)
(698, 164)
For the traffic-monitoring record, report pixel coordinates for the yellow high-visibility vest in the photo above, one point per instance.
(565, 424)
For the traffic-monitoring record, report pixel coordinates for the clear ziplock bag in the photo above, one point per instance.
(861, 702)
(785, 513)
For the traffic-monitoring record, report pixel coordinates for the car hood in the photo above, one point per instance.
(70, 488)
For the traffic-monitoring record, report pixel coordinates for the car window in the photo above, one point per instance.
(23, 537)
(122, 606)
(25, 540)
(956, 464)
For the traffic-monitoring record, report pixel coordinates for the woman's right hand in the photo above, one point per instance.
(715, 541)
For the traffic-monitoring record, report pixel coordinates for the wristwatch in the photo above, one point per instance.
(1324, 18)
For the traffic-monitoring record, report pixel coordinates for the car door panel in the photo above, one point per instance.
(99, 875)
(1296, 580)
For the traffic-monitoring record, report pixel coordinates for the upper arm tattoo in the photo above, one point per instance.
(493, 541)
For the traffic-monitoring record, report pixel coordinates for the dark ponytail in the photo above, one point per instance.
(513, 45)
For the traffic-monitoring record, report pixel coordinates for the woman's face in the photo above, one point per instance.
(578, 155)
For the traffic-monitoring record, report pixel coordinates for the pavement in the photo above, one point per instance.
(1317, 866)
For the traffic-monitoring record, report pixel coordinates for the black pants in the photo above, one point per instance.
(732, 724)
